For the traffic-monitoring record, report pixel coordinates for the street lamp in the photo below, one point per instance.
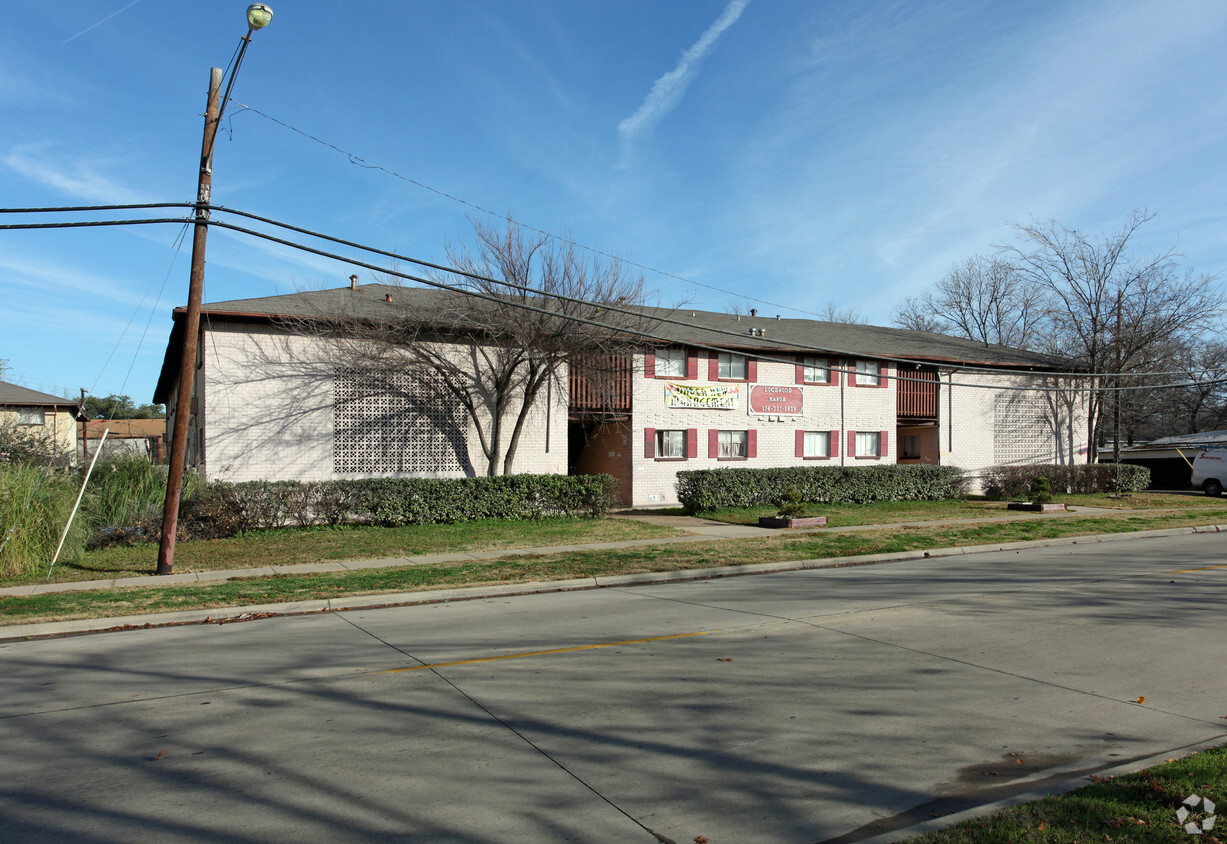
(258, 16)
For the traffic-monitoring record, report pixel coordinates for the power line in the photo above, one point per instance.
(1017, 368)
(362, 162)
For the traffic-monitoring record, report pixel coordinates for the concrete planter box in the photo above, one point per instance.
(1035, 508)
(782, 522)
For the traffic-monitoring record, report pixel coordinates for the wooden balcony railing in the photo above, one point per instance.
(600, 386)
(917, 395)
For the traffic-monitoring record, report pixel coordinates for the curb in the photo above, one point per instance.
(1083, 779)
(222, 615)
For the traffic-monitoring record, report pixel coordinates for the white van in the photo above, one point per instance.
(1210, 471)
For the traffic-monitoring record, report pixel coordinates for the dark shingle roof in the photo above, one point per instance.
(12, 395)
(677, 325)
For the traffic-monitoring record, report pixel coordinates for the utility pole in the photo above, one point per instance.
(191, 328)
(258, 16)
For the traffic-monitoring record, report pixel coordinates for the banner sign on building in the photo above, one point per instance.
(716, 397)
(776, 400)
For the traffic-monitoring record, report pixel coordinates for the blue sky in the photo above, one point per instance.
(778, 154)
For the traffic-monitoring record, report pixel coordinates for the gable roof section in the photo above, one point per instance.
(14, 395)
(679, 326)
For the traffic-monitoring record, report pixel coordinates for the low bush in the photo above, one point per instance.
(711, 489)
(1015, 482)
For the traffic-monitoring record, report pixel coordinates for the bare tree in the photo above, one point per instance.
(1107, 307)
(834, 313)
(982, 298)
(494, 348)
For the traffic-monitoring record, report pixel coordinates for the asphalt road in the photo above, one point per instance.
(794, 707)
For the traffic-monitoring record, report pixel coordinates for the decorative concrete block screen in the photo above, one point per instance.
(1021, 429)
(396, 423)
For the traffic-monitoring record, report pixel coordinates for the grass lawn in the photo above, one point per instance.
(1138, 807)
(778, 548)
(290, 546)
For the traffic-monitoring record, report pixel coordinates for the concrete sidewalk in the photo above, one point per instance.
(700, 530)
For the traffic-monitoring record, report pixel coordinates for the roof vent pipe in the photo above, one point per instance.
(353, 282)
(753, 311)
(777, 317)
(388, 298)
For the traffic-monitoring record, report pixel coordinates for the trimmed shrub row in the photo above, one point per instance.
(712, 489)
(225, 509)
(1016, 481)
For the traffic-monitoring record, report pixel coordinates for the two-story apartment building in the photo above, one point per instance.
(706, 390)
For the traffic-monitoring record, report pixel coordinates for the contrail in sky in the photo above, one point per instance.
(101, 22)
(667, 91)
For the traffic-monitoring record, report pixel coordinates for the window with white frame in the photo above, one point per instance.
(816, 371)
(31, 416)
(671, 444)
(732, 366)
(868, 444)
(671, 363)
(868, 373)
(817, 444)
(733, 444)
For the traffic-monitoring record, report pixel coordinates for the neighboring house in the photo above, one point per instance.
(40, 413)
(1169, 459)
(137, 437)
(716, 390)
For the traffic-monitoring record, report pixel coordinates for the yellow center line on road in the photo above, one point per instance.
(543, 653)
(1203, 568)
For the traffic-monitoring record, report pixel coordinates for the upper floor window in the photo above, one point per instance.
(817, 370)
(671, 363)
(868, 373)
(732, 366)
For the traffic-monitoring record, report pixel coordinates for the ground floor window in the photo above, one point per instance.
(733, 445)
(671, 444)
(867, 444)
(31, 416)
(816, 444)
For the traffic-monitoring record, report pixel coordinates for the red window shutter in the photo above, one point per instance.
(852, 443)
(649, 365)
(713, 367)
(752, 370)
(649, 443)
(883, 443)
(692, 442)
(752, 443)
(835, 443)
(800, 452)
(851, 367)
(800, 374)
(692, 366)
(883, 371)
(835, 373)
(713, 442)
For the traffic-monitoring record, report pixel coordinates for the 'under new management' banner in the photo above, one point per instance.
(716, 397)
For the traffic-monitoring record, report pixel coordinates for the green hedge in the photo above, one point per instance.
(224, 509)
(712, 489)
(1015, 481)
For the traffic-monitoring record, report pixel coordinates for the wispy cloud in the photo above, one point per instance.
(667, 91)
(100, 23)
(75, 178)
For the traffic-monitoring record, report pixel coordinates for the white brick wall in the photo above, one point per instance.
(268, 406)
(840, 408)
